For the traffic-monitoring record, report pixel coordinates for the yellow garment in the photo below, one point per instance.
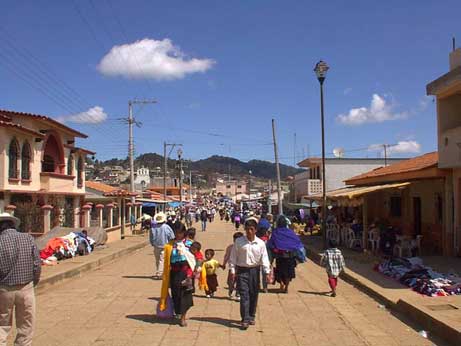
(211, 266)
(202, 280)
(166, 275)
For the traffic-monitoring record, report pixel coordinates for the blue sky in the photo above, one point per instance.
(221, 71)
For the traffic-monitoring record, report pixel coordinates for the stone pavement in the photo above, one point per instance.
(115, 305)
(440, 315)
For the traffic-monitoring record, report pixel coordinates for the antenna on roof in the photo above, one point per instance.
(338, 152)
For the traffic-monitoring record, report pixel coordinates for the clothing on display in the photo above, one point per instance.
(422, 279)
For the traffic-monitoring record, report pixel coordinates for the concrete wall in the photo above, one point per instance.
(449, 131)
(339, 170)
(434, 232)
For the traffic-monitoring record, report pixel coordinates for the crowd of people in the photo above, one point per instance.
(264, 252)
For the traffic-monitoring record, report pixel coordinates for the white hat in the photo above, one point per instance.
(160, 217)
(173, 213)
(252, 218)
(9, 217)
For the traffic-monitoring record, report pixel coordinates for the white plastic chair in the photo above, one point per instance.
(353, 241)
(402, 246)
(373, 239)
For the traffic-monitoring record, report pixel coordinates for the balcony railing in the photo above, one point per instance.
(314, 186)
(55, 182)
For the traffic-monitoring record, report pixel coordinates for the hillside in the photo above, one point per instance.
(213, 164)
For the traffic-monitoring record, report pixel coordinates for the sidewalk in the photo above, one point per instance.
(78, 266)
(438, 315)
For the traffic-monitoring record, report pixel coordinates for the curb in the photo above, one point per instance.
(428, 322)
(86, 267)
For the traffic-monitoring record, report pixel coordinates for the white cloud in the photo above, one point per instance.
(347, 91)
(94, 115)
(151, 59)
(402, 147)
(380, 110)
(194, 105)
(424, 102)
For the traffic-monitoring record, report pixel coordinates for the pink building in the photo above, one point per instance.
(42, 172)
(231, 188)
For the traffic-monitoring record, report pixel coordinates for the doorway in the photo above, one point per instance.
(417, 215)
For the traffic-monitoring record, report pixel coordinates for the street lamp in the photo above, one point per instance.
(321, 71)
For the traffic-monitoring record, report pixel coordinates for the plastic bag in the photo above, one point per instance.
(168, 312)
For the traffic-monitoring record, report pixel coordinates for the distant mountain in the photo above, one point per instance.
(213, 164)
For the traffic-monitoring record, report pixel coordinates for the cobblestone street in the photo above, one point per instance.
(115, 305)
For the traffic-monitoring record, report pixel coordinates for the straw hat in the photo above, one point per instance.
(160, 217)
(9, 217)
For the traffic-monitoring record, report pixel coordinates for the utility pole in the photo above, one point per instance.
(190, 186)
(279, 189)
(132, 121)
(294, 165)
(269, 198)
(385, 154)
(180, 176)
(165, 163)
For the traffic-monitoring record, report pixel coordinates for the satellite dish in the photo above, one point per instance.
(338, 152)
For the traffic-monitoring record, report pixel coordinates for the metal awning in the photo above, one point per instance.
(354, 192)
(149, 200)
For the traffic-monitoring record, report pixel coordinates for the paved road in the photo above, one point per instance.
(115, 306)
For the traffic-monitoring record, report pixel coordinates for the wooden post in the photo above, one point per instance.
(365, 223)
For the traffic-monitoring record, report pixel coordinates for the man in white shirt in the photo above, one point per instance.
(248, 254)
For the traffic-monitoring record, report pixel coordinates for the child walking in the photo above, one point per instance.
(231, 283)
(210, 266)
(333, 260)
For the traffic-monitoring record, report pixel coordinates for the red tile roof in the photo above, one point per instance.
(44, 118)
(101, 187)
(107, 190)
(411, 165)
(6, 123)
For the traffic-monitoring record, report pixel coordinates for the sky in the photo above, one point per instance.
(219, 71)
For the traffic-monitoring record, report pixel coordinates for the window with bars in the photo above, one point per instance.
(13, 156)
(70, 165)
(26, 156)
(80, 172)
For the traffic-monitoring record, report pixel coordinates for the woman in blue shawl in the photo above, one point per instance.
(284, 246)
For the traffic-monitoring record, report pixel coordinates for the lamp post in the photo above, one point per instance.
(321, 69)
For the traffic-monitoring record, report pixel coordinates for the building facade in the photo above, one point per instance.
(42, 172)
(447, 90)
(337, 171)
(231, 188)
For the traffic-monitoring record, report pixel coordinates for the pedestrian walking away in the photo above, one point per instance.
(20, 268)
(160, 235)
(287, 249)
(248, 254)
(333, 260)
(204, 219)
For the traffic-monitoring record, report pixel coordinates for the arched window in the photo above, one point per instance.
(13, 155)
(80, 172)
(26, 156)
(70, 165)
